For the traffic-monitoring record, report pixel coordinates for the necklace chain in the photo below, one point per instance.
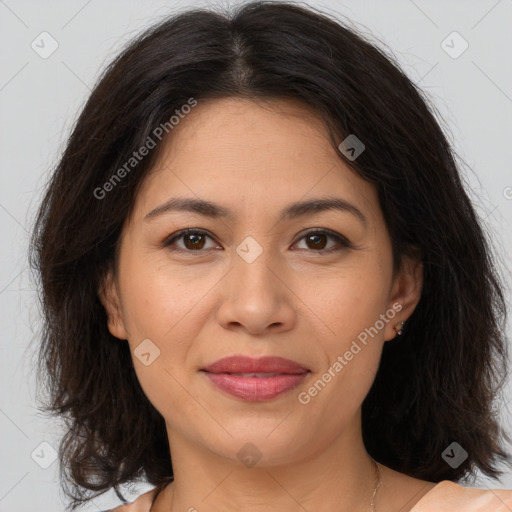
(378, 475)
(379, 482)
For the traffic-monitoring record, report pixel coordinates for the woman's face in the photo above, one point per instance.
(256, 282)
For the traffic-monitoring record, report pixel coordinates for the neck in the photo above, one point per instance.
(340, 477)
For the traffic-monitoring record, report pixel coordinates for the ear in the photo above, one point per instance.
(109, 297)
(406, 291)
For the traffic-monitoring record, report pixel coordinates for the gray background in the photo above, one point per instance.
(40, 99)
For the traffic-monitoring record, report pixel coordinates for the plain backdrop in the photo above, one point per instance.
(41, 97)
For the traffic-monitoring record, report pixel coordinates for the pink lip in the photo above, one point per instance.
(245, 364)
(221, 373)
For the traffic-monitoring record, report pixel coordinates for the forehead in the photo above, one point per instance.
(235, 127)
(266, 153)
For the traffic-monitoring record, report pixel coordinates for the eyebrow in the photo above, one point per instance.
(292, 211)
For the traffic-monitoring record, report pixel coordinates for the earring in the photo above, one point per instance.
(399, 328)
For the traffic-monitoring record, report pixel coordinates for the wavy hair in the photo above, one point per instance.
(436, 383)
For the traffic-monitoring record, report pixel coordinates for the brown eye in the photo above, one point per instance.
(317, 241)
(192, 240)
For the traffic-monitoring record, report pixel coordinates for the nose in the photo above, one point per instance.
(256, 298)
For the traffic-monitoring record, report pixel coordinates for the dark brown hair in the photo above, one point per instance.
(436, 383)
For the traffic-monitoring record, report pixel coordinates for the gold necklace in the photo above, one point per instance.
(379, 482)
(372, 504)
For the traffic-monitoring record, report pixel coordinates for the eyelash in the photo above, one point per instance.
(343, 243)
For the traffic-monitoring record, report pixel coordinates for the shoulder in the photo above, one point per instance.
(141, 504)
(448, 496)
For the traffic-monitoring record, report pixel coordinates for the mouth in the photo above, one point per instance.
(257, 375)
(258, 366)
(253, 379)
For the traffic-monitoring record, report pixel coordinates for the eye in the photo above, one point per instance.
(316, 240)
(193, 240)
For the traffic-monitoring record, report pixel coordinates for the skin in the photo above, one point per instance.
(296, 300)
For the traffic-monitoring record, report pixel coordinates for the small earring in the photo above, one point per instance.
(399, 328)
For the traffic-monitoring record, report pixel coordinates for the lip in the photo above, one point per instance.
(284, 376)
(245, 364)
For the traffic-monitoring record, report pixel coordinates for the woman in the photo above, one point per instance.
(264, 285)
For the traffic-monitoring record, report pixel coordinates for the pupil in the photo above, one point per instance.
(315, 241)
(193, 239)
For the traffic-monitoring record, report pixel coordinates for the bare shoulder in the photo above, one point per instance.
(448, 496)
(409, 494)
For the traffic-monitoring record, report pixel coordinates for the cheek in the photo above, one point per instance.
(157, 308)
(349, 303)
(168, 307)
(351, 309)
(157, 299)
